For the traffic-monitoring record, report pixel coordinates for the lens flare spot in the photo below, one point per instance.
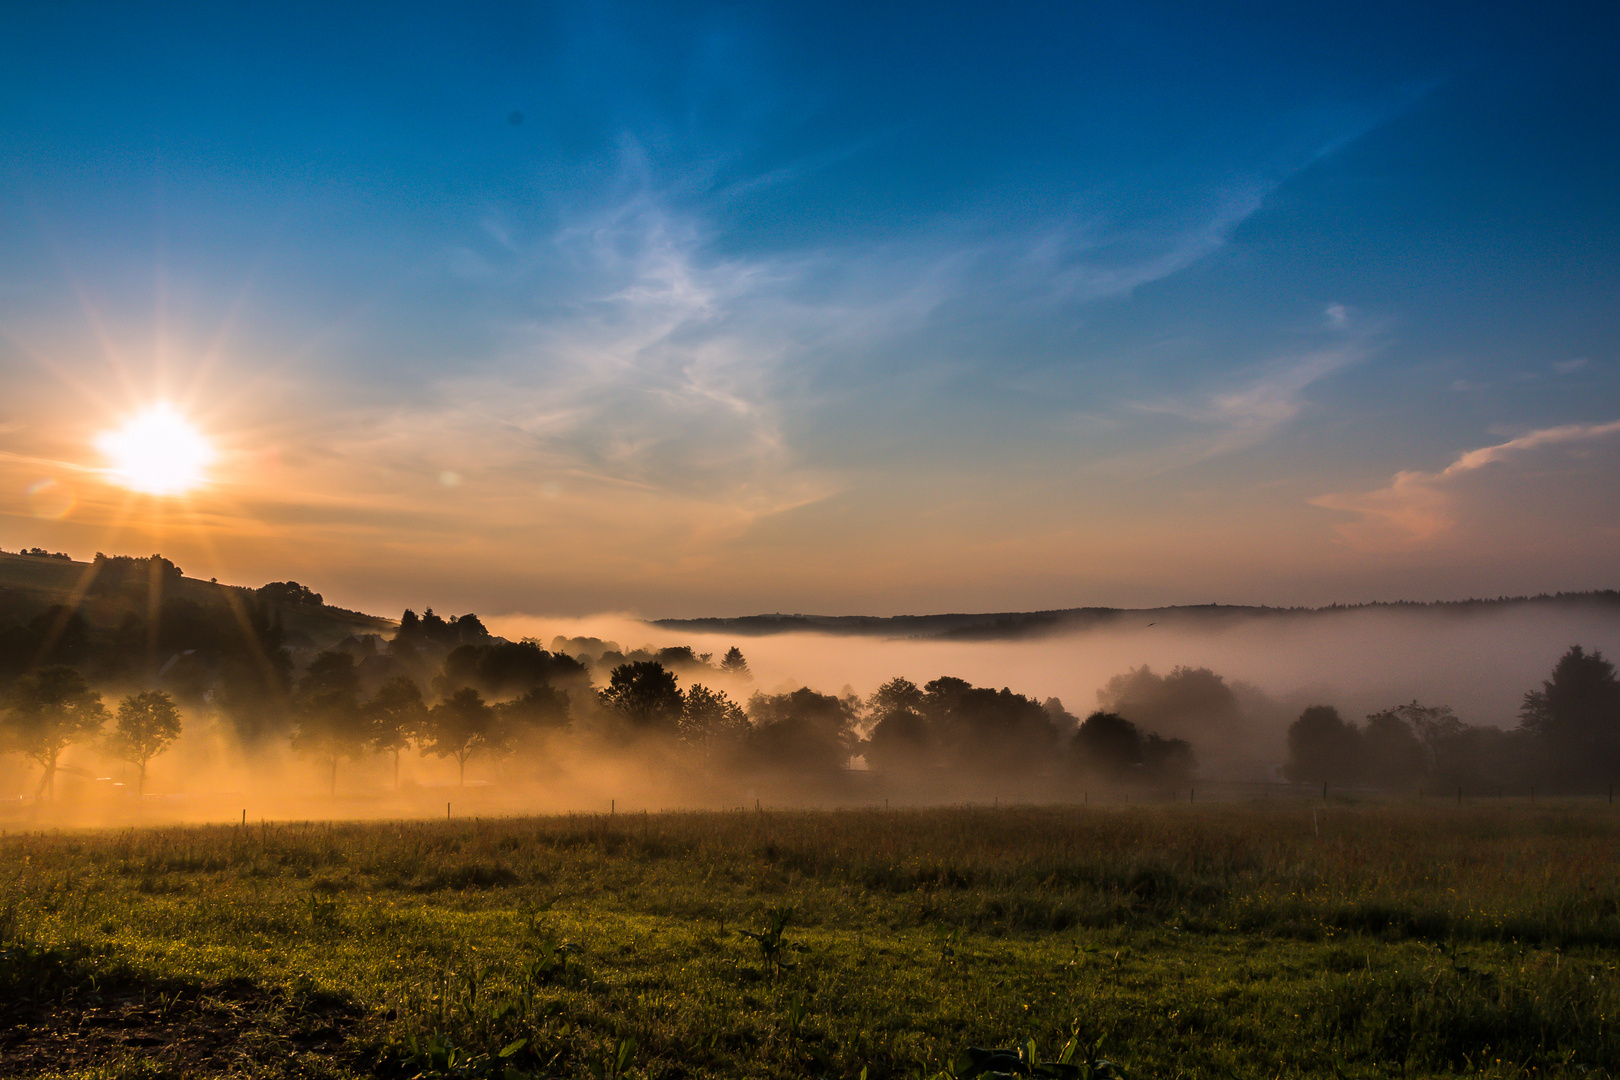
(157, 452)
(50, 500)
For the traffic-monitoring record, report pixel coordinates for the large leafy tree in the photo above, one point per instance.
(50, 709)
(1189, 702)
(396, 716)
(804, 731)
(1108, 745)
(147, 724)
(1323, 747)
(900, 738)
(461, 726)
(709, 717)
(533, 717)
(1393, 753)
(987, 731)
(331, 724)
(645, 694)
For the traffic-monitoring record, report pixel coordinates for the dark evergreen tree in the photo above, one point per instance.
(1575, 716)
(735, 665)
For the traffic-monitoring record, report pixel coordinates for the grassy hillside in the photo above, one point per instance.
(31, 584)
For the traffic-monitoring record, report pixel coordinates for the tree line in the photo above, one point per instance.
(445, 687)
(1568, 739)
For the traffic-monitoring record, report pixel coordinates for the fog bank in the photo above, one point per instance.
(1360, 660)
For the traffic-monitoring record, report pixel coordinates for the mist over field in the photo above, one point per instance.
(1480, 662)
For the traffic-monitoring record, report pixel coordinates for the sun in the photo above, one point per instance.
(157, 452)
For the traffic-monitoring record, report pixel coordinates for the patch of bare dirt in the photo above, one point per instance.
(67, 1020)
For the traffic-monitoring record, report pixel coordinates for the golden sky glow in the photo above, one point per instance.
(750, 314)
(157, 452)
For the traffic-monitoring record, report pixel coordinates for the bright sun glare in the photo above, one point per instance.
(157, 452)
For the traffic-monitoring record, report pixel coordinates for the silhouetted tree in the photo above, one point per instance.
(469, 628)
(501, 669)
(804, 731)
(985, 730)
(331, 724)
(542, 710)
(288, 594)
(1188, 703)
(900, 738)
(1392, 755)
(1405, 744)
(1440, 733)
(733, 664)
(644, 693)
(396, 716)
(1108, 745)
(1167, 761)
(255, 677)
(1576, 717)
(131, 575)
(1064, 722)
(50, 709)
(460, 727)
(709, 717)
(330, 671)
(1323, 747)
(147, 724)
(681, 658)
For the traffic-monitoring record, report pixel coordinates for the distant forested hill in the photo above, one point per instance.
(1008, 625)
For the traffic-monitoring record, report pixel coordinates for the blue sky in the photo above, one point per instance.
(709, 309)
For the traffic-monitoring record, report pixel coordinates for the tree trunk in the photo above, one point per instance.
(461, 779)
(332, 791)
(140, 784)
(48, 780)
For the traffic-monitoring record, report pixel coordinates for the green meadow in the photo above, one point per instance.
(1269, 939)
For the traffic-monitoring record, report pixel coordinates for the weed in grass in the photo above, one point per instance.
(772, 943)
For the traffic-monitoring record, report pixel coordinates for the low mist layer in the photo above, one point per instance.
(133, 693)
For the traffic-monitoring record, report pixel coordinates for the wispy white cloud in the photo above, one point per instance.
(1417, 506)
(1227, 420)
(652, 359)
(1078, 262)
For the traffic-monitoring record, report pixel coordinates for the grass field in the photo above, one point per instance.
(1254, 940)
